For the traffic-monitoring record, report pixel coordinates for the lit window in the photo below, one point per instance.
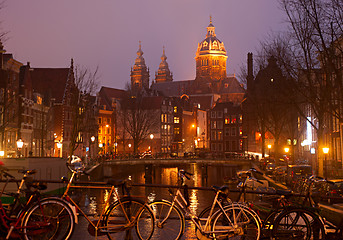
(176, 120)
(233, 119)
(220, 135)
(240, 118)
(240, 131)
(176, 131)
(175, 109)
(213, 124)
(227, 120)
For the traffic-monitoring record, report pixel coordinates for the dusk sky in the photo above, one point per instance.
(106, 33)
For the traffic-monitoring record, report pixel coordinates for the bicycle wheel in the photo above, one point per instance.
(49, 219)
(129, 219)
(169, 221)
(238, 222)
(292, 224)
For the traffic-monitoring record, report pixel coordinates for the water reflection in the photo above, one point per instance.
(205, 175)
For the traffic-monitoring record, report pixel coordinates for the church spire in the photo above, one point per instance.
(210, 29)
(163, 74)
(139, 72)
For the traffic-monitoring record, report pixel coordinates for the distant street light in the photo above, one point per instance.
(20, 144)
(286, 149)
(59, 146)
(325, 151)
(269, 147)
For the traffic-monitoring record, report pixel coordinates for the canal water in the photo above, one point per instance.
(205, 175)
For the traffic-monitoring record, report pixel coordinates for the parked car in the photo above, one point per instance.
(335, 191)
(294, 172)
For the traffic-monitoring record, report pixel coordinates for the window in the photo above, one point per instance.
(213, 135)
(219, 125)
(234, 146)
(220, 114)
(226, 85)
(99, 120)
(176, 131)
(213, 146)
(176, 120)
(225, 110)
(220, 135)
(233, 118)
(227, 131)
(175, 109)
(240, 118)
(220, 147)
(240, 131)
(241, 144)
(39, 100)
(233, 131)
(227, 120)
(213, 124)
(213, 114)
(108, 120)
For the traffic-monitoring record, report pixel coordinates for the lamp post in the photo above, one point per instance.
(59, 147)
(91, 148)
(20, 144)
(269, 147)
(325, 151)
(151, 138)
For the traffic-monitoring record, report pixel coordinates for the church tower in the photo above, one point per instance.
(139, 72)
(210, 57)
(163, 74)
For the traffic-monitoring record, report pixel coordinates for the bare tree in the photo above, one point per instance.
(137, 118)
(83, 107)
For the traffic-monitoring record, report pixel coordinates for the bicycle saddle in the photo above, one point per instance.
(224, 188)
(115, 182)
(28, 172)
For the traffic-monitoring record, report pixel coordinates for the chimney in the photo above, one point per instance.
(250, 76)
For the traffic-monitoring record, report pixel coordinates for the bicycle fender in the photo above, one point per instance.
(72, 207)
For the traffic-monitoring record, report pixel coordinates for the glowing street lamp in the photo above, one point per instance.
(20, 145)
(286, 149)
(269, 147)
(325, 151)
(59, 146)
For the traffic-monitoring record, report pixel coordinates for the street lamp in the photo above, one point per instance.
(286, 149)
(325, 151)
(59, 146)
(269, 147)
(20, 144)
(151, 137)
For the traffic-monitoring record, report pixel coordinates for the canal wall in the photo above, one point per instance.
(48, 168)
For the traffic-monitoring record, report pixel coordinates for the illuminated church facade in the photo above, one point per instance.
(211, 76)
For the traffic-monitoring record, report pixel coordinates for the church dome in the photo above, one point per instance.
(211, 44)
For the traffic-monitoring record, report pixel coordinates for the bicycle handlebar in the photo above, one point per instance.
(184, 173)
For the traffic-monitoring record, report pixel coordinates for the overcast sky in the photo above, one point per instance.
(106, 33)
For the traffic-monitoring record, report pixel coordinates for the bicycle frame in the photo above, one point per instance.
(96, 225)
(178, 196)
(15, 223)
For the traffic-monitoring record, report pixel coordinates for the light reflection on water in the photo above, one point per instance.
(204, 176)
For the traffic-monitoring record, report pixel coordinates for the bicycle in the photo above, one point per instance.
(229, 220)
(117, 220)
(36, 217)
